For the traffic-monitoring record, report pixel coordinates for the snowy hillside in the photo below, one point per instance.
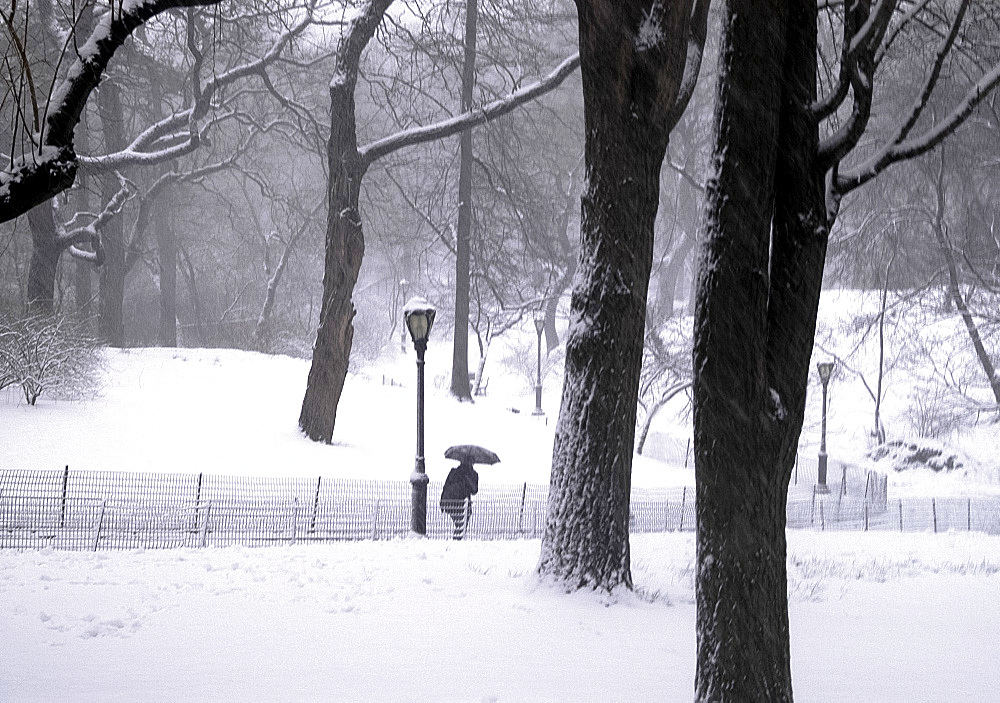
(232, 412)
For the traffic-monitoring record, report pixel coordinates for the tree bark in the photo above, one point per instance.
(666, 292)
(631, 80)
(345, 238)
(111, 322)
(463, 232)
(45, 251)
(758, 294)
(345, 242)
(166, 254)
(83, 288)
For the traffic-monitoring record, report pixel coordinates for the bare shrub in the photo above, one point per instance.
(933, 412)
(50, 355)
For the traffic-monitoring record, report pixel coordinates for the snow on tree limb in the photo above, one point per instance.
(901, 146)
(51, 167)
(90, 232)
(93, 58)
(473, 118)
(178, 129)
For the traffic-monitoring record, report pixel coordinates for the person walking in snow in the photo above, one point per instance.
(462, 483)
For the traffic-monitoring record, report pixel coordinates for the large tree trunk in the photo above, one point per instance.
(629, 88)
(345, 242)
(111, 322)
(463, 232)
(45, 250)
(82, 279)
(82, 269)
(345, 248)
(758, 294)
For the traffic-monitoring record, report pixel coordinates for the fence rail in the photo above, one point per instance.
(115, 510)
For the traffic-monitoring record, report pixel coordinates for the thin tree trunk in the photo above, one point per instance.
(192, 283)
(879, 432)
(955, 290)
(552, 306)
(166, 250)
(667, 290)
(651, 415)
(111, 322)
(463, 232)
(261, 329)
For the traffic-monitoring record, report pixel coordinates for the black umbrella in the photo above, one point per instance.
(471, 453)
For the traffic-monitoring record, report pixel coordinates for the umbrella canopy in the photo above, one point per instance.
(471, 453)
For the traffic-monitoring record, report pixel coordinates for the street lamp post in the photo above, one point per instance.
(403, 283)
(539, 328)
(419, 316)
(825, 369)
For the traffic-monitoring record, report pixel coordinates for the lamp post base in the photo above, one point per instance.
(418, 511)
(821, 486)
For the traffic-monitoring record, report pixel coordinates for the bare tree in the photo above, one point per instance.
(47, 162)
(775, 194)
(640, 62)
(345, 244)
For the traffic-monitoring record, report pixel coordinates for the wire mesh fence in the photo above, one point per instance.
(117, 510)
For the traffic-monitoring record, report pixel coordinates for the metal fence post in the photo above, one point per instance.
(378, 504)
(204, 526)
(520, 515)
(822, 520)
(866, 516)
(680, 527)
(62, 510)
(100, 525)
(197, 500)
(934, 513)
(900, 514)
(312, 523)
(295, 518)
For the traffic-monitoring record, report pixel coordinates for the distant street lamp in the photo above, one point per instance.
(539, 328)
(825, 369)
(403, 283)
(419, 316)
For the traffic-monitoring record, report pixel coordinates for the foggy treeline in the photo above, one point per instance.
(222, 243)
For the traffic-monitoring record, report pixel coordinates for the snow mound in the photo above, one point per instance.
(903, 455)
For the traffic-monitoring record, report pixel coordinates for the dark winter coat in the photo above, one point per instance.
(462, 483)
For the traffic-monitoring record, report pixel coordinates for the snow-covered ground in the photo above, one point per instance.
(874, 617)
(878, 616)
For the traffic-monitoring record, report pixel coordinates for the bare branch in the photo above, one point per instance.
(52, 165)
(473, 118)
